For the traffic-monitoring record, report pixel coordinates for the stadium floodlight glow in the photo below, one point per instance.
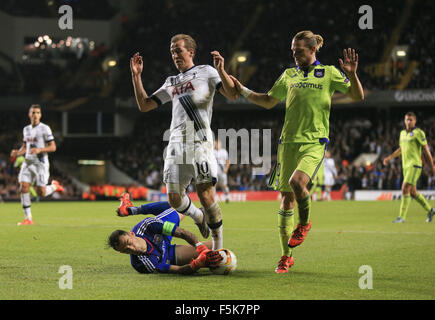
(91, 162)
(111, 63)
(401, 53)
(36, 44)
(46, 37)
(241, 58)
(40, 39)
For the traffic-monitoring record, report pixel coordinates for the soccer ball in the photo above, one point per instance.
(227, 265)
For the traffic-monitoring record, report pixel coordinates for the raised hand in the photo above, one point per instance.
(350, 63)
(237, 84)
(136, 64)
(218, 61)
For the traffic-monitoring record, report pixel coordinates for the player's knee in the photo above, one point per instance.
(24, 188)
(40, 192)
(406, 188)
(296, 184)
(174, 200)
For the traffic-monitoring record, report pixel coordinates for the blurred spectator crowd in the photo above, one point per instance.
(261, 28)
(140, 155)
(264, 29)
(373, 131)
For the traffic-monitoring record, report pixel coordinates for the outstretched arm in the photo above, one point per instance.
(395, 154)
(144, 102)
(19, 152)
(349, 67)
(260, 99)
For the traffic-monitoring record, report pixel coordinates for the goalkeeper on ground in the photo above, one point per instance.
(149, 242)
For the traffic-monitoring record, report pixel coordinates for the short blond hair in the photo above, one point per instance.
(189, 42)
(311, 39)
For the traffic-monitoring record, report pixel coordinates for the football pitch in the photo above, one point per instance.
(345, 237)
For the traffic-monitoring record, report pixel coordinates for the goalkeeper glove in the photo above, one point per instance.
(207, 258)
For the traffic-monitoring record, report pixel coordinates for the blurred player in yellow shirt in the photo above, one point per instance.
(412, 141)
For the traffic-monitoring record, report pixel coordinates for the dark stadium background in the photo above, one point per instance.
(81, 78)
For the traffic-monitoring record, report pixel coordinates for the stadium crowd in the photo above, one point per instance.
(262, 30)
(372, 132)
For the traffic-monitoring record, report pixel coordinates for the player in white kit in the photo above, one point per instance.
(329, 174)
(223, 165)
(38, 140)
(189, 154)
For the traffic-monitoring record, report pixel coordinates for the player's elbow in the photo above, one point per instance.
(147, 105)
(357, 97)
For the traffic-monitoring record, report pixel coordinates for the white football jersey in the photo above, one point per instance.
(191, 93)
(329, 171)
(37, 137)
(221, 158)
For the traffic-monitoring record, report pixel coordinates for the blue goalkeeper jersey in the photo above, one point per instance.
(157, 232)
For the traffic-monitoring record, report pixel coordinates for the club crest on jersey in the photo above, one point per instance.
(185, 87)
(319, 73)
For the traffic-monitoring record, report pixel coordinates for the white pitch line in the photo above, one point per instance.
(230, 228)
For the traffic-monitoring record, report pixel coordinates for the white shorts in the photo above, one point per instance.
(184, 163)
(222, 180)
(329, 180)
(37, 173)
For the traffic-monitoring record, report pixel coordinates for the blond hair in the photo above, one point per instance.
(311, 39)
(189, 42)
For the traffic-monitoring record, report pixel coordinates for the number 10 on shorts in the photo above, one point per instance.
(203, 169)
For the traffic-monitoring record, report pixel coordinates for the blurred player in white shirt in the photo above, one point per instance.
(330, 173)
(189, 156)
(223, 165)
(38, 140)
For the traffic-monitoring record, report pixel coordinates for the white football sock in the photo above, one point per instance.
(49, 189)
(187, 208)
(217, 238)
(214, 221)
(25, 202)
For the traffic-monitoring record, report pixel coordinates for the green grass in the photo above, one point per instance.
(344, 236)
